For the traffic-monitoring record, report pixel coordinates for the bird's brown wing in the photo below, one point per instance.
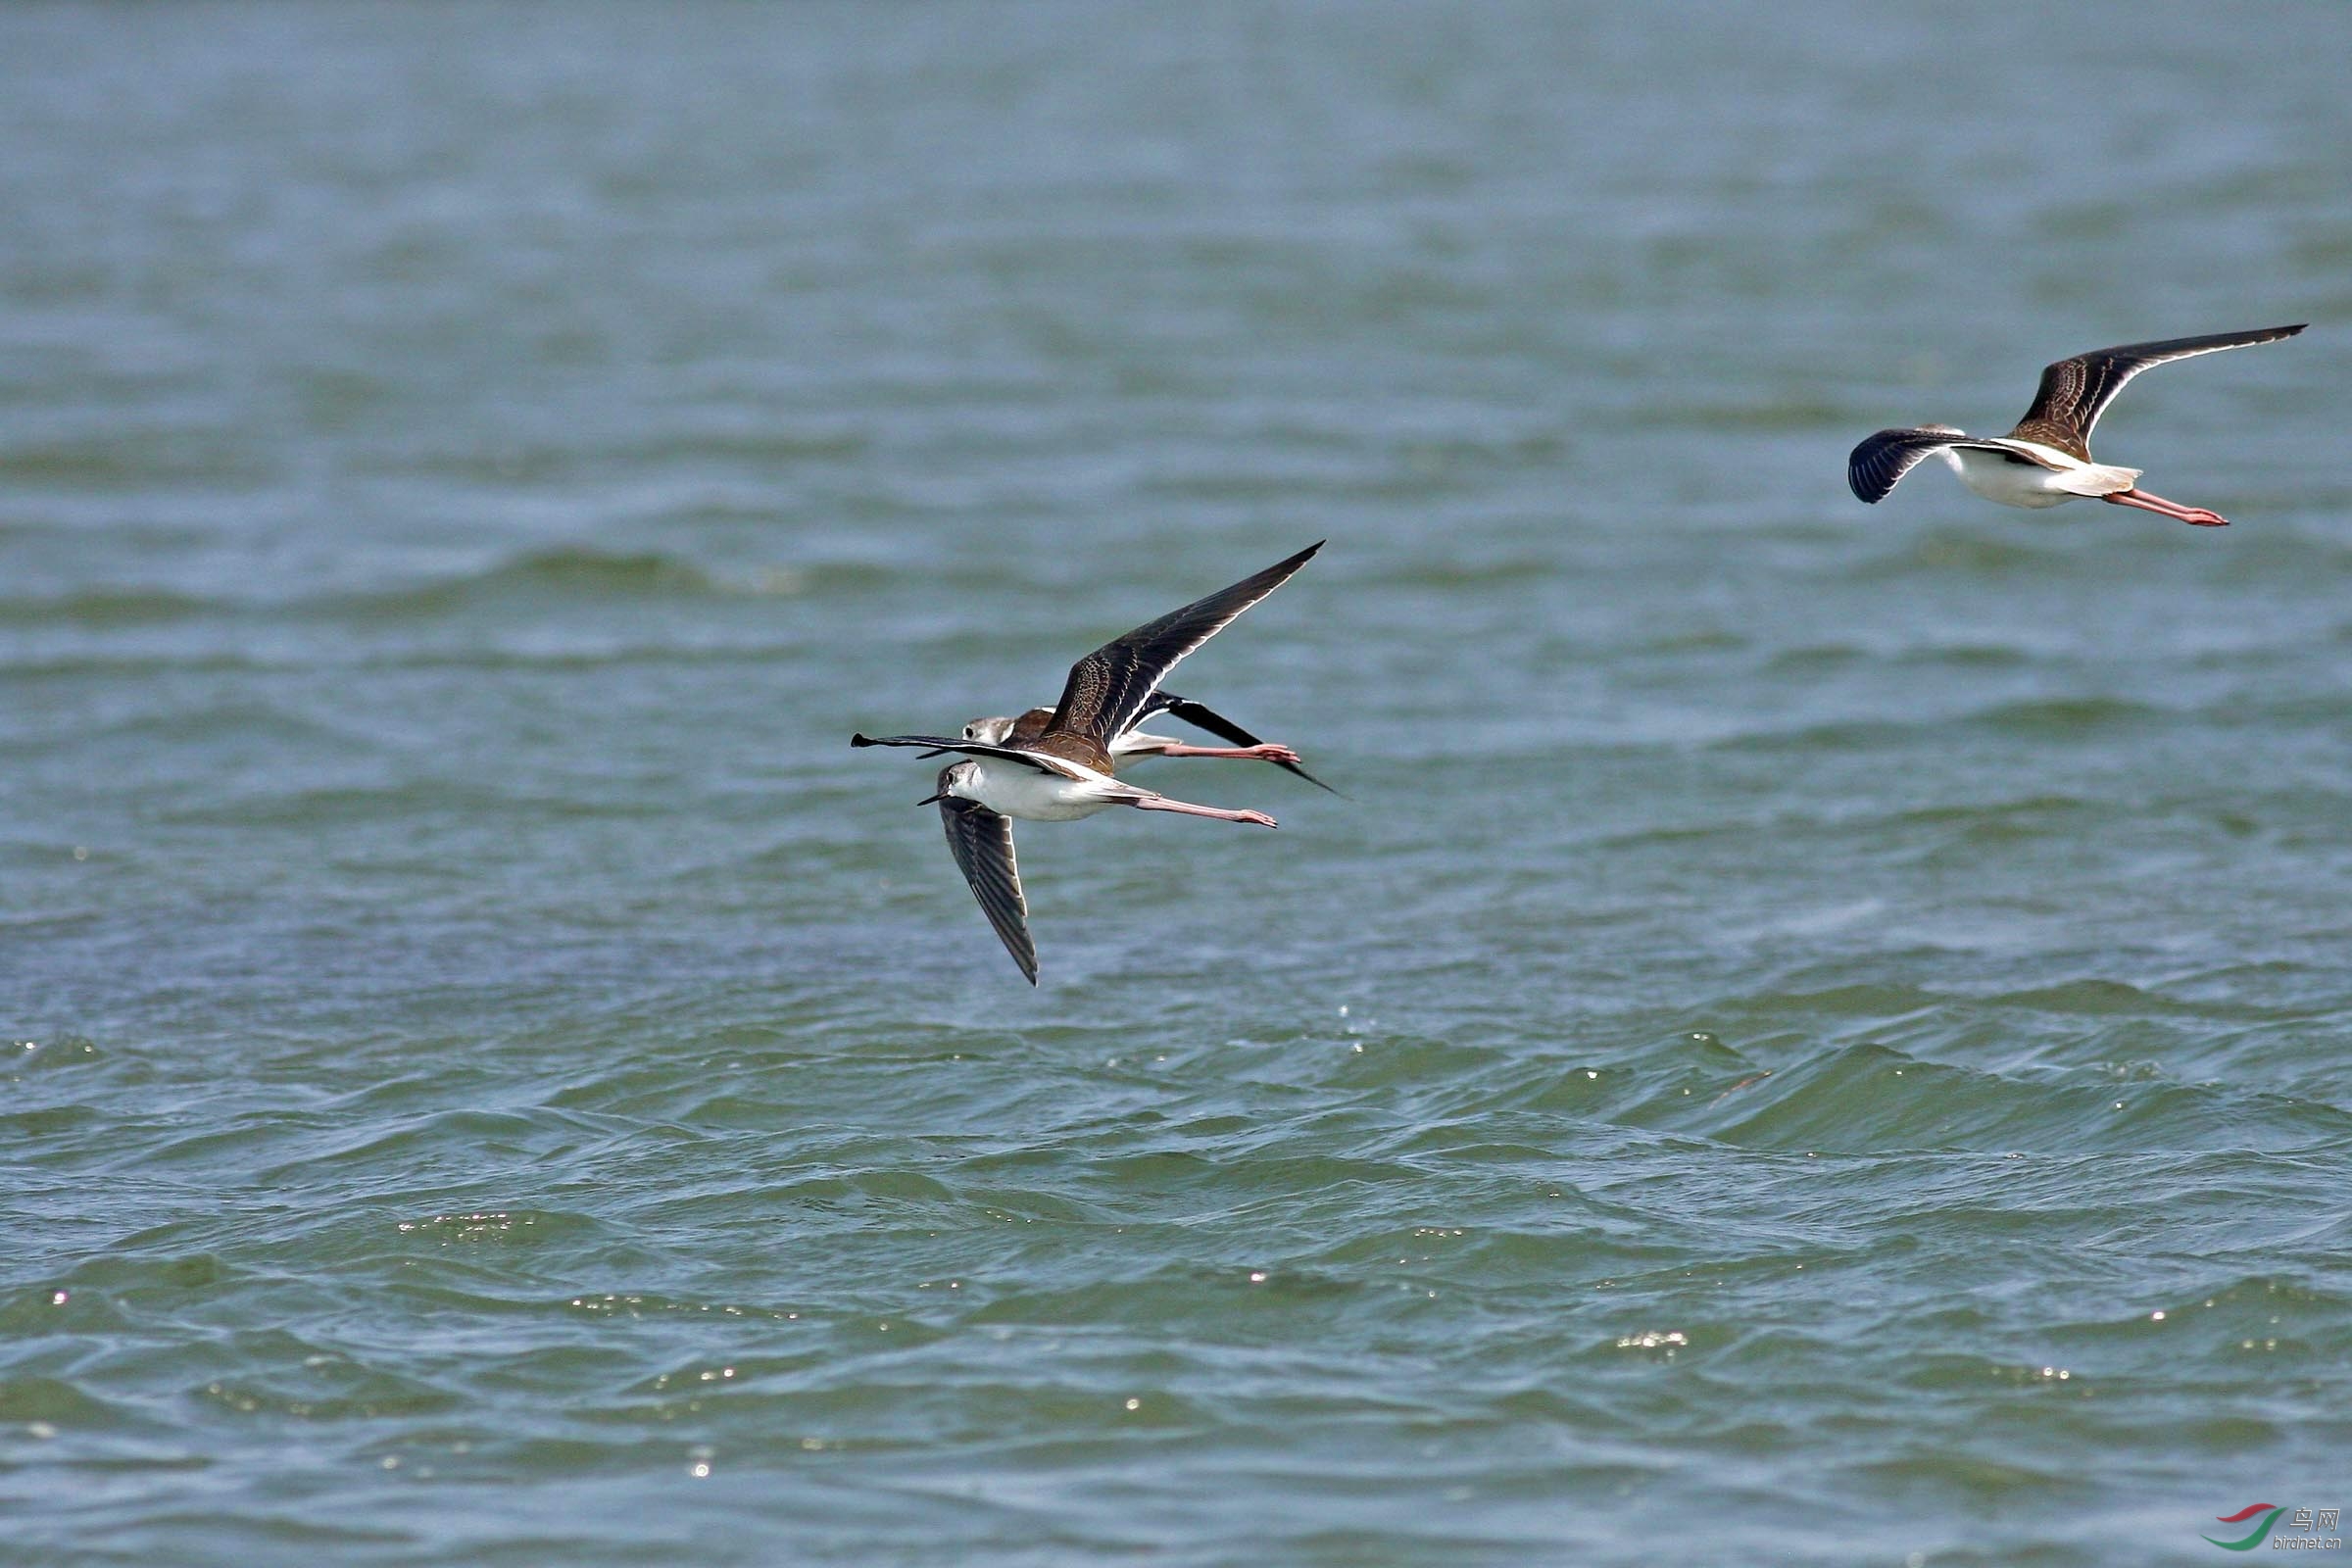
(2075, 392)
(1109, 688)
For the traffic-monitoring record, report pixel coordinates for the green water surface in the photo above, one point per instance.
(1816, 1034)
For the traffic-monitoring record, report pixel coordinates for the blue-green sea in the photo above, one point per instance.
(1813, 1034)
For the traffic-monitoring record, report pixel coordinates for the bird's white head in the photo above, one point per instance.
(987, 731)
(956, 779)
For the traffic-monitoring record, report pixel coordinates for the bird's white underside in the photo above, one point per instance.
(1010, 789)
(2029, 484)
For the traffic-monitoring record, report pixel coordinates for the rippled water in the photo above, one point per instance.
(1815, 1035)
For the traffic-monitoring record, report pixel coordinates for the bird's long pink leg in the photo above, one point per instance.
(1163, 803)
(2198, 517)
(1266, 753)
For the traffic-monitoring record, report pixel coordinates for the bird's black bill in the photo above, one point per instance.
(932, 799)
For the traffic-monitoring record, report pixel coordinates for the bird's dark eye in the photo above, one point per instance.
(970, 730)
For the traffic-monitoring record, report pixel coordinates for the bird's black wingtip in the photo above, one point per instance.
(1866, 465)
(860, 738)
